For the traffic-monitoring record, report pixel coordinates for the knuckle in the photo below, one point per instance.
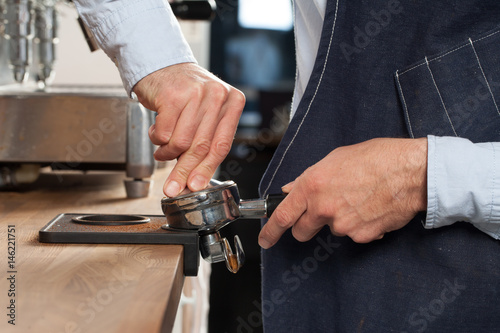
(153, 140)
(167, 154)
(195, 90)
(282, 219)
(180, 172)
(201, 148)
(152, 135)
(272, 233)
(301, 237)
(324, 212)
(311, 181)
(238, 97)
(361, 238)
(222, 149)
(339, 229)
(364, 236)
(162, 153)
(180, 144)
(158, 156)
(269, 234)
(161, 137)
(178, 97)
(218, 92)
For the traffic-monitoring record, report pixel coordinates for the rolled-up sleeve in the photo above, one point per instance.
(140, 36)
(463, 183)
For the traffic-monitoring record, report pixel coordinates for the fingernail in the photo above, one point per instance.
(173, 189)
(264, 243)
(198, 183)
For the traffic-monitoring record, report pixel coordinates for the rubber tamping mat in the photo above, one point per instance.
(121, 229)
(110, 219)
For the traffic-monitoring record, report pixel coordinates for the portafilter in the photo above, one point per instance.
(209, 210)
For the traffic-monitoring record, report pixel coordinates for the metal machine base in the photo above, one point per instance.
(77, 128)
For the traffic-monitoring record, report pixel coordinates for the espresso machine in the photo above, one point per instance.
(76, 128)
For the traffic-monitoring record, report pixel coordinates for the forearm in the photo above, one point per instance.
(140, 36)
(463, 184)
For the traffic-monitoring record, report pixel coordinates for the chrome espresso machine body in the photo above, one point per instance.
(65, 128)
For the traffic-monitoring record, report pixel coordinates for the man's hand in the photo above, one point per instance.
(197, 118)
(361, 191)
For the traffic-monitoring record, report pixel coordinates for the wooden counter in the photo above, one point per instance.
(74, 288)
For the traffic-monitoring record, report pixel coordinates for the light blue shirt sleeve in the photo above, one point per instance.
(140, 36)
(463, 183)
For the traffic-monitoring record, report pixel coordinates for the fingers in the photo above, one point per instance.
(284, 217)
(187, 126)
(177, 179)
(188, 160)
(306, 227)
(196, 121)
(220, 146)
(165, 122)
(211, 143)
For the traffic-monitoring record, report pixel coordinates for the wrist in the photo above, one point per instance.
(417, 161)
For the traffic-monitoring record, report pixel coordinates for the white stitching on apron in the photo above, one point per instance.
(484, 76)
(488, 36)
(310, 103)
(440, 97)
(451, 51)
(406, 107)
(427, 61)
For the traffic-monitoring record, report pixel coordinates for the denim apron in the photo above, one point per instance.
(388, 68)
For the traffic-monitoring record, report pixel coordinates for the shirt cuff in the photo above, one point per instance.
(140, 36)
(463, 183)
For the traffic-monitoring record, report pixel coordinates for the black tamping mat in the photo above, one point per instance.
(121, 229)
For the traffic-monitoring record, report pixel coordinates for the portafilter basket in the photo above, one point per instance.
(209, 210)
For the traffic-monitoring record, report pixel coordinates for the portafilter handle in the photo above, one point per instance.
(260, 208)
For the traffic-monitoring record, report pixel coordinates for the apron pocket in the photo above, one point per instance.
(455, 93)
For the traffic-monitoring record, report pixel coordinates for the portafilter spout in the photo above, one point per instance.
(209, 210)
